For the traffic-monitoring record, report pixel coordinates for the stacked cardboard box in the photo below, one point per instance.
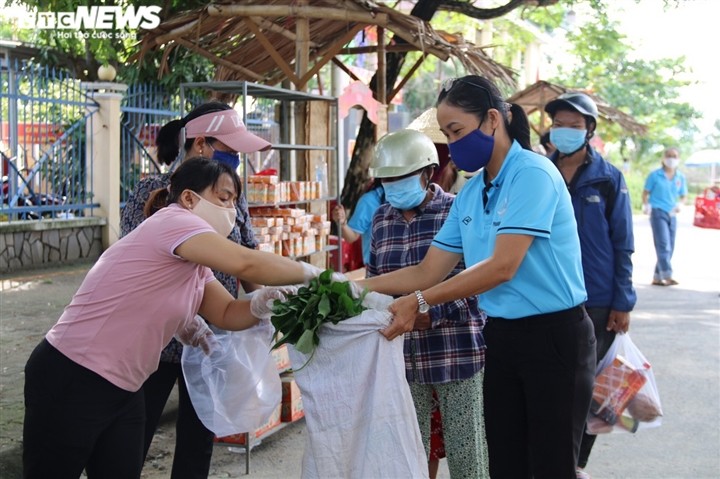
(268, 189)
(289, 231)
(281, 357)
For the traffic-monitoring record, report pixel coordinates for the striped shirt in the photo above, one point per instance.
(453, 348)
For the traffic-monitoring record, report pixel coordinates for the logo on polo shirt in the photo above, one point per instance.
(467, 220)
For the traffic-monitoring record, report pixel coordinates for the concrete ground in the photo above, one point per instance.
(677, 328)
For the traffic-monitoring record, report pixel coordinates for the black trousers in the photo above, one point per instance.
(539, 374)
(605, 338)
(75, 420)
(193, 441)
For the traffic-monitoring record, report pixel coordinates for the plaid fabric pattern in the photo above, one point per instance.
(132, 216)
(453, 349)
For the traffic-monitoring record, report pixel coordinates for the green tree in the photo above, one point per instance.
(646, 89)
(82, 56)
(712, 140)
(395, 62)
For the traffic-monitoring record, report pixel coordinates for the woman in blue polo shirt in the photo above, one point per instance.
(515, 228)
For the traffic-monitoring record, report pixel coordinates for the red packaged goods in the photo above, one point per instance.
(616, 385)
(271, 423)
(292, 408)
(266, 179)
(262, 221)
(297, 191)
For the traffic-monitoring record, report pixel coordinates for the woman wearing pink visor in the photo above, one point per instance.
(212, 130)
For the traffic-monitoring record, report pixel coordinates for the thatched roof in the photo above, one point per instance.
(536, 96)
(268, 41)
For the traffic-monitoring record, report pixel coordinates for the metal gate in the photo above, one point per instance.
(44, 115)
(145, 109)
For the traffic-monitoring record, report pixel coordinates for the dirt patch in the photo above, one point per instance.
(29, 305)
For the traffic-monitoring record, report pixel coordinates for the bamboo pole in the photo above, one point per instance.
(274, 27)
(327, 13)
(344, 68)
(271, 50)
(330, 53)
(172, 34)
(216, 59)
(404, 48)
(302, 50)
(381, 72)
(407, 76)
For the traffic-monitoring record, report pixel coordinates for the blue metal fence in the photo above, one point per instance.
(44, 119)
(145, 109)
(44, 115)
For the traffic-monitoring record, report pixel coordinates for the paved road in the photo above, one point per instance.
(677, 328)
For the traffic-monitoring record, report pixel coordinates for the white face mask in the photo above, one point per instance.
(221, 219)
(671, 162)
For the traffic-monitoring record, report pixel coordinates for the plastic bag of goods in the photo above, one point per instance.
(625, 395)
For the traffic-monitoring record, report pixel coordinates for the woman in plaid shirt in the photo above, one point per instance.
(445, 353)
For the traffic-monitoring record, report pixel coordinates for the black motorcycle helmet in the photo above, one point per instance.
(576, 101)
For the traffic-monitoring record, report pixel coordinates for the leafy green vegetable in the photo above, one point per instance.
(321, 301)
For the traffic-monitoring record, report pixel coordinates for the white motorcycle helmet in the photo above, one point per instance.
(402, 152)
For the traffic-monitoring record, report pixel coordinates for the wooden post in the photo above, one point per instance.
(381, 86)
(302, 45)
(382, 125)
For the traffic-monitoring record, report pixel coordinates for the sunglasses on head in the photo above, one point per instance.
(448, 85)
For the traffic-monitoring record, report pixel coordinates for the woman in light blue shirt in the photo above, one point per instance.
(360, 223)
(515, 228)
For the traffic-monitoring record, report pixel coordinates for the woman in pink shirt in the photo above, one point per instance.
(84, 406)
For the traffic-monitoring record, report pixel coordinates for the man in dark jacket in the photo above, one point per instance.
(604, 218)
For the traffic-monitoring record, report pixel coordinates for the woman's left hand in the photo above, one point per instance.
(404, 311)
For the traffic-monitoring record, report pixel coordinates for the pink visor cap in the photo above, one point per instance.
(227, 127)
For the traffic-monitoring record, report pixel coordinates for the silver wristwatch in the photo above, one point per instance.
(423, 307)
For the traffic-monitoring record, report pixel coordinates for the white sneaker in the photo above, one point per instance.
(580, 474)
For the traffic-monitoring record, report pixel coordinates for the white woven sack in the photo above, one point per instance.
(359, 413)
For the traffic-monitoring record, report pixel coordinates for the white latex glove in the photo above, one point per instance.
(197, 333)
(355, 289)
(339, 277)
(310, 271)
(209, 343)
(646, 208)
(263, 299)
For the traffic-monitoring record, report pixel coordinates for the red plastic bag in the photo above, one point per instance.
(625, 396)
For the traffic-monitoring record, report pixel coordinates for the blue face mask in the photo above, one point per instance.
(230, 159)
(567, 140)
(405, 194)
(473, 151)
